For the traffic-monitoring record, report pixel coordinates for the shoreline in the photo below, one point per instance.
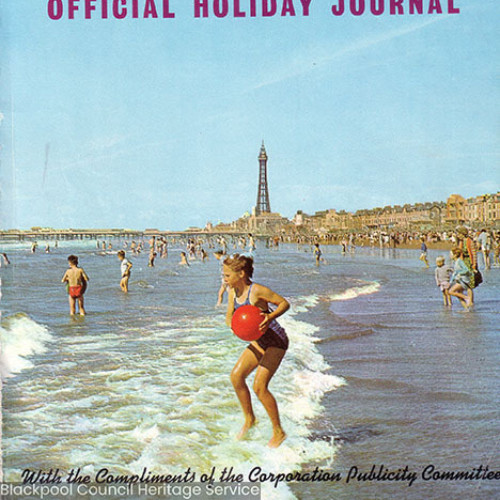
(411, 245)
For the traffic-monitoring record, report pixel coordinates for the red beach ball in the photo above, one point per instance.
(246, 321)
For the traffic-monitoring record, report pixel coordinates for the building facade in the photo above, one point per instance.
(479, 211)
(475, 212)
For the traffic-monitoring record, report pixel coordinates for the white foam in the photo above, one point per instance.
(20, 338)
(352, 293)
(169, 403)
(310, 388)
(146, 435)
(204, 423)
(302, 304)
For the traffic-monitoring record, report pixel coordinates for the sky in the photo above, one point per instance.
(158, 123)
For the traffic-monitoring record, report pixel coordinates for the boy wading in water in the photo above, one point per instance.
(76, 279)
(264, 354)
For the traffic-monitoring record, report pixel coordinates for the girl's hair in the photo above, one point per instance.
(457, 251)
(239, 262)
(439, 259)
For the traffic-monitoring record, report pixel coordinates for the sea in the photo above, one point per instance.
(384, 392)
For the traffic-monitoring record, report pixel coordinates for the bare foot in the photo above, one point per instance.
(277, 439)
(246, 427)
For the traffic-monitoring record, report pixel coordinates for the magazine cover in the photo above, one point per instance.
(249, 249)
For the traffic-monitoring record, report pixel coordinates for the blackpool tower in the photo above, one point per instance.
(263, 205)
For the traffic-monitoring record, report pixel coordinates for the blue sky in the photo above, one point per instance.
(143, 123)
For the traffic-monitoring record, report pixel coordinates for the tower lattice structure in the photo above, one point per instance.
(263, 206)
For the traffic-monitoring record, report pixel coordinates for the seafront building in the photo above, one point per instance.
(476, 212)
(438, 215)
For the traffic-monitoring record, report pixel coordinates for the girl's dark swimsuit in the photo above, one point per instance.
(275, 335)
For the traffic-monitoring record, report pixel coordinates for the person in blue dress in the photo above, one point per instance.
(461, 278)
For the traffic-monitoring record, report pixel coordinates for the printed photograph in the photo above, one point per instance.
(249, 244)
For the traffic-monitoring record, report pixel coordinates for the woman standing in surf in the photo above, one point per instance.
(264, 354)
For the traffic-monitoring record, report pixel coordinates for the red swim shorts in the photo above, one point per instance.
(76, 291)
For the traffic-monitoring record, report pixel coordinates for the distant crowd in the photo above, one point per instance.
(394, 239)
(470, 250)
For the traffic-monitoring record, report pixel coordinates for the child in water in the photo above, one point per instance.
(264, 354)
(317, 253)
(76, 279)
(184, 261)
(423, 250)
(442, 275)
(125, 267)
(219, 255)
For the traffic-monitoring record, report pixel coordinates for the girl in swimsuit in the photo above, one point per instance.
(264, 354)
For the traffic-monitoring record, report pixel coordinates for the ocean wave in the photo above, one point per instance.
(172, 393)
(303, 303)
(20, 338)
(202, 420)
(357, 291)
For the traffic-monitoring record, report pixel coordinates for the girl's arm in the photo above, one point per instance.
(266, 294)
(449, 272)
(65, 277)
(230, 307)
(454, 274)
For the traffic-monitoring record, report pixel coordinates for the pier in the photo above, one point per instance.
(96, 234)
